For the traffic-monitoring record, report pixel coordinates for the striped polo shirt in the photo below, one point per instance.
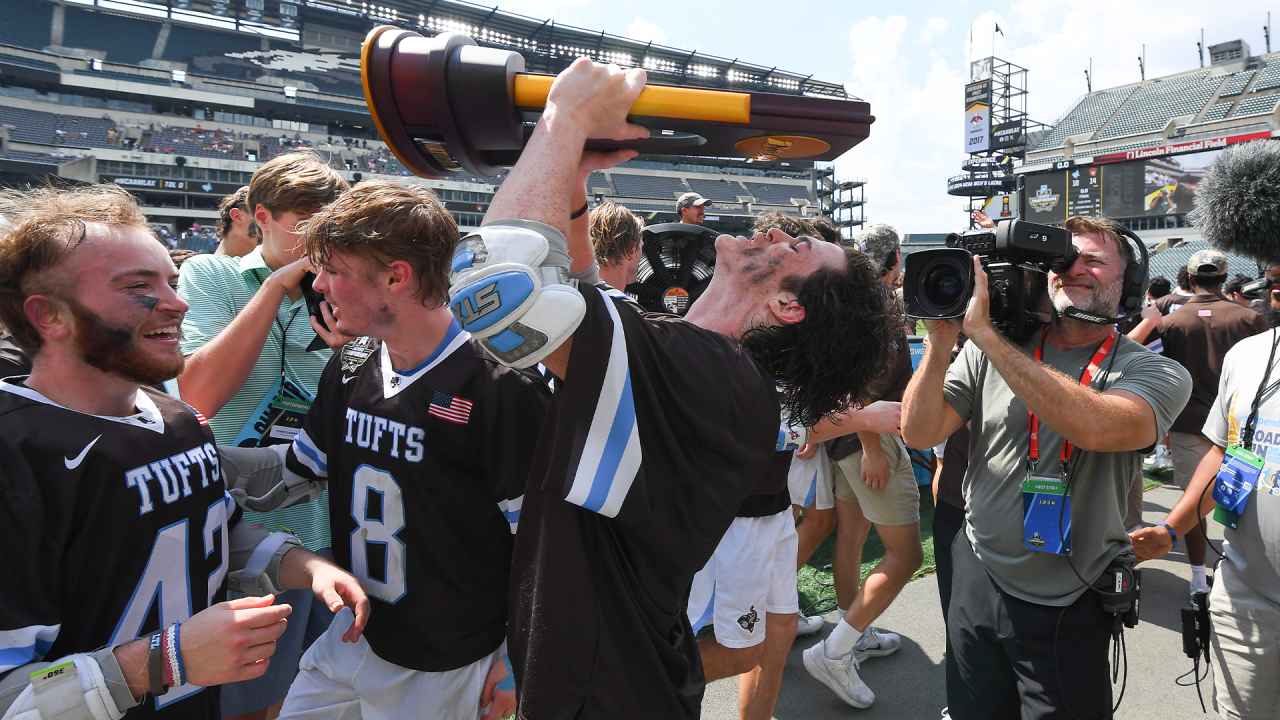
(217, 287)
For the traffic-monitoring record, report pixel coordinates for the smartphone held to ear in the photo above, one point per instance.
(314, 299)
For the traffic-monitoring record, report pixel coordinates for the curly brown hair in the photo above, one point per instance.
(47, 224)
(789, 224)
(842, 348)
(387, 221)
(615, 233)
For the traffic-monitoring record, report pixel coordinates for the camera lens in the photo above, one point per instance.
(943, 284)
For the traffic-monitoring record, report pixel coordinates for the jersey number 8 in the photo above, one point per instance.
(377, 555)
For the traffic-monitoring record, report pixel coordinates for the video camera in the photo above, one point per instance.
(1017, 257)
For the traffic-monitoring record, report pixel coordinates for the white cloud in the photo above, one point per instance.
(935, 27)
(915, 142)
(645, 31)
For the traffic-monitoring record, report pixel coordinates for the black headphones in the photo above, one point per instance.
(1136, 274)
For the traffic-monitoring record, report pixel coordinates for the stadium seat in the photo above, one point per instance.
(124, 39)
(1216, 112)
(724, 189)
(26, 24)
(1158, 101)
(778, 193)
(1086, 117)
(1268, 78)
(1237, 82)
(1256, 106)
(648, 186)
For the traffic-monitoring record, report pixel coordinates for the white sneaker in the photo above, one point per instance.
(876, 643)
(839, 675)
(808, 625)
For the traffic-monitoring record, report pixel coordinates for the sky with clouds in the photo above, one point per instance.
(910, 61)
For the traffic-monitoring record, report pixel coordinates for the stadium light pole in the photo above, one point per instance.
(1266, 32)
(1200, 47)
(1142, 62)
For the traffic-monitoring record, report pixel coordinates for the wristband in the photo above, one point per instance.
(155, 665)
(581, 211)
(173, 658)
(1172, 534)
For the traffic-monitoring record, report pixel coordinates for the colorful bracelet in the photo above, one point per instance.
(174, 660)
(1172, 534)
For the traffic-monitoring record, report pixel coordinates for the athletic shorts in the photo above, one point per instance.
(898, 503)
(811, 483)
(347, 680)
(752, 572)
(1188, 449)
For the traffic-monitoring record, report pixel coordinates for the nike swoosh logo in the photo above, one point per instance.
(346, 379)
(73, 464)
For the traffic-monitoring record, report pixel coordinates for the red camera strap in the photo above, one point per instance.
(1085, 379)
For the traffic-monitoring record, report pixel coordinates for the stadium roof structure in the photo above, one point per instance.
(547, 46)
(1202, 109)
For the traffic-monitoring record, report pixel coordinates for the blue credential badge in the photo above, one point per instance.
(1046, 515)
(1236, 479)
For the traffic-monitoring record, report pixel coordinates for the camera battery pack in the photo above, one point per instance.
(1046, 515)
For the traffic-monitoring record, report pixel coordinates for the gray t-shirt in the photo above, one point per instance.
(998, 452)
(1253, 551)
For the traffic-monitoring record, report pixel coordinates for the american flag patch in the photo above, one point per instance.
(448, 407)
(199, 417)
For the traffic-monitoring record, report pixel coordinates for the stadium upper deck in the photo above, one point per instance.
(1200, 109)
(121, 89)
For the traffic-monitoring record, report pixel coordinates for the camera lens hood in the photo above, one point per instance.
(937, 283)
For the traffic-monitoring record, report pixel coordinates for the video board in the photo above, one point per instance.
(1134, 188)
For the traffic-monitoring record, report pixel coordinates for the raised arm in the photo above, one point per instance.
(927, 417)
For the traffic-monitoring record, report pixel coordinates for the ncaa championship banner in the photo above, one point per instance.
(977, 117)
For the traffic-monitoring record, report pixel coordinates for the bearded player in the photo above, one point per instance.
(426, 443)
(116, 530)
(661, 426)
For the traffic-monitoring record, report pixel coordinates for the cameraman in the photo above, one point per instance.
(1024, 632)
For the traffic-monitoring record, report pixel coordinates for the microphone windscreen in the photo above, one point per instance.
(1237, 206)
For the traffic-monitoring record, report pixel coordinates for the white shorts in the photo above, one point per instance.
(346, 681)
(752, 572)
(811, 483)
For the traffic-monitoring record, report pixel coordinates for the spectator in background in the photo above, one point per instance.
(692, 208)
(1158, 287)
(237, 234)
(874, 484)
(1231, 289)
(615, 236)
(1175, 299)
(1198, 335)
(251, 349)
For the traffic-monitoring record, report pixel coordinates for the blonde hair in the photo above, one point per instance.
(615, 233)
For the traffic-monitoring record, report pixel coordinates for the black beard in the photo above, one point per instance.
(1272, 315)
(115, 351)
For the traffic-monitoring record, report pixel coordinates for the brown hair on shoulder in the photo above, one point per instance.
(47, 224)
(300, 182)
(789, 224)
(386, 221)
(238, 200)
(615, 233)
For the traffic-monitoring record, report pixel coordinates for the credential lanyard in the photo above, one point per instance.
(284, 327)
(1085, 379)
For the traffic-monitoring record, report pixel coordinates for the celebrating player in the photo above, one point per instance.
(116, 523)
(426, 442)
(661, 426)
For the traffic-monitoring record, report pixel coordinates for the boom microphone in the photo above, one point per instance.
(1237, 207)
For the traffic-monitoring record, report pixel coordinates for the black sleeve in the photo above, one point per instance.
(511, 435)
(642, 388)
(13, 361)
(29, 563)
